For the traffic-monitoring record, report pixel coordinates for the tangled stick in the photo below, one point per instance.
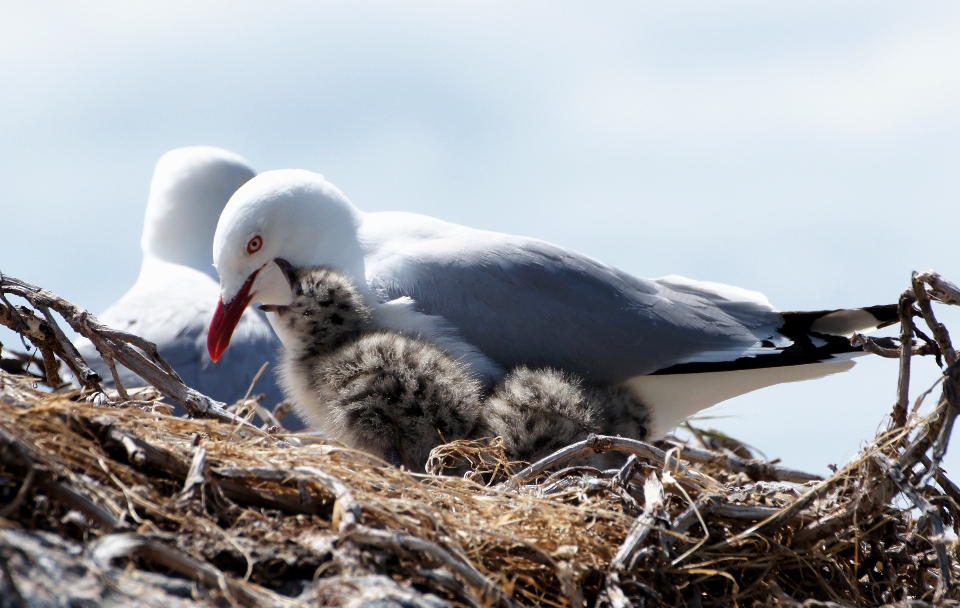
(132, 351)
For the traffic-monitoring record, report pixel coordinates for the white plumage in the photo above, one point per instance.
(174, 297)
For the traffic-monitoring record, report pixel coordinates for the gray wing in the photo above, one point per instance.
(174, 313)
(525, 301)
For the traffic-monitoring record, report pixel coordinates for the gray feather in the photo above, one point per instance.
(566, 310)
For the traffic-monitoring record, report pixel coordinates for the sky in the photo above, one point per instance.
(807, 150)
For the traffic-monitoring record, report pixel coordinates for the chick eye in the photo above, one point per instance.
(255, 244)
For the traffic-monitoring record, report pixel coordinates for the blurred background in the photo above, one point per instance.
(807, 150)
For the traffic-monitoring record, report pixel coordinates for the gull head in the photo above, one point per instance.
(189, 189)
(291, 215)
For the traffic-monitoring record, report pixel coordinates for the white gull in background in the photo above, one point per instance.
(496, 301)
(173, 299)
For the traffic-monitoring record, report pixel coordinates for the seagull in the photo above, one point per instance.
(173, 299)
(495, 301)
(391, 395)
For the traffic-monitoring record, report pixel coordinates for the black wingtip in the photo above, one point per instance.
(886, 314)
(808, 344)
(843, 321)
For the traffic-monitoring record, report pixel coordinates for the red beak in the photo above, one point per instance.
(225, 319)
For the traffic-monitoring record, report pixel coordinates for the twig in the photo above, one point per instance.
(930, 343)
(21, 493)
(943, 290)
(949, 488)
(951, 395)
(398, 543)
(195, 476)
(940, 333)
(25, 322)
(939, 428)
(614, 593)
(121, 390)
(205, 574)
(932, 516)
(451, 583)
(596, 444)
(705, 506)
(50, 368)
(347, 506)
(652, 511)
(757, 470)
(623, 476)
(879, 347)
(149, 348)
(117, 345)
(73, 359)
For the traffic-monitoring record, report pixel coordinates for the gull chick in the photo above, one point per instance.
(388, 394)
(539, 411)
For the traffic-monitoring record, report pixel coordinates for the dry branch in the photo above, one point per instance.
(124, 545)
(652, 512)
(758, 470)
(932, 516)
(137, 354)
(905, 312)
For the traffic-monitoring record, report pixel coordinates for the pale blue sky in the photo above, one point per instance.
(780, 147)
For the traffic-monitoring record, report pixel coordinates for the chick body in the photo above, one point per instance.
(539, 411)
(392, 395)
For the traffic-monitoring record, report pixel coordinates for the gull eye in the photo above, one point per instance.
(255, 244)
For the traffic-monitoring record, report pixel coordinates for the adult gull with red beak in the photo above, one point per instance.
(496, 301)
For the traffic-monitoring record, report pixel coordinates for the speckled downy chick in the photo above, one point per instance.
(539, 411)
(391, 395)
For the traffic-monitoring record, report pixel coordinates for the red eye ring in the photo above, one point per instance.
(255, 244)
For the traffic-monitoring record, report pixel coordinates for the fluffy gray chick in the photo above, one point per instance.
(388, 394)
(539, 411)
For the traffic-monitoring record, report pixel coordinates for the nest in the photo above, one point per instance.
(106, 498)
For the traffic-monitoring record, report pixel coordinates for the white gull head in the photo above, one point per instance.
(294, 215)
(189, 189)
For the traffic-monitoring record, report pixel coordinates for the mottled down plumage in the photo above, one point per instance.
(538, 411)
(398, 397)
(391, 395)
(390, 392)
